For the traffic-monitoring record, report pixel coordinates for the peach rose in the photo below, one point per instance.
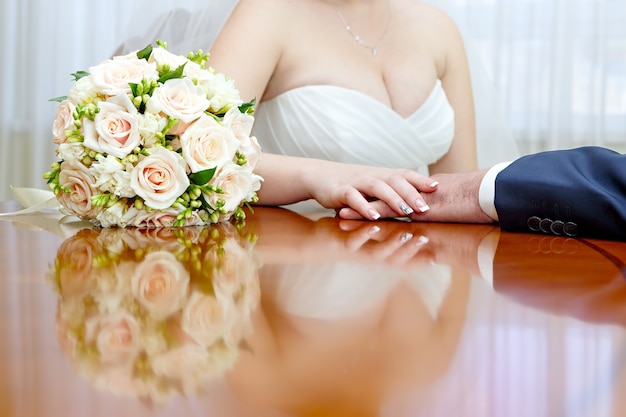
(179, 98)
(160, 283)
(112, 76)
(116, 336)
(160, 178)
(81, 184)
(207, 144)
(115, 129)
(63, 121)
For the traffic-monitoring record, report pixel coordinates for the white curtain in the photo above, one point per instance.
(559, 67)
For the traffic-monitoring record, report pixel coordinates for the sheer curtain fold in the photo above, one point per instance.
(558, 67)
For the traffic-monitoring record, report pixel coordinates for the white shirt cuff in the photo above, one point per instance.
(487, 190)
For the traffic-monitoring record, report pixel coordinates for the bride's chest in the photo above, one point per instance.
(401, 82)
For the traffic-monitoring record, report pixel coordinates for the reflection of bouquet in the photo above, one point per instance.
(152, 313)
(154, 139)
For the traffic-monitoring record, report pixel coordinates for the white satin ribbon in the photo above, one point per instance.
(48, 213)
(33, 200)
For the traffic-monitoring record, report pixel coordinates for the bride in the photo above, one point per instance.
(357, 99)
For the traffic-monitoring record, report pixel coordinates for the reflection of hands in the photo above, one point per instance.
(285, 235)
(454, 200)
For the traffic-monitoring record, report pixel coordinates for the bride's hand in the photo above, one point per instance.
(357, 187)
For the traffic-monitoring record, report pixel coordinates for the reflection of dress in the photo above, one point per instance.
(340, 124)
(341, 290)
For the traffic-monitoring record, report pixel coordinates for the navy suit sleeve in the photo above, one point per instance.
(576, 192)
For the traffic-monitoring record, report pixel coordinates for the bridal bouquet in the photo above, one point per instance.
(155, 313)
(152, 139)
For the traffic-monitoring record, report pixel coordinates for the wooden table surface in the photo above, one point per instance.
(305, 315)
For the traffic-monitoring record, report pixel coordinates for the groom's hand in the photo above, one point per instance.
(455, 200)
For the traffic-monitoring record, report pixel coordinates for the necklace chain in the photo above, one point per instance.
(373, 48)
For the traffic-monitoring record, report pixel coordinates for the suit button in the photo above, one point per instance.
(533, 223)
(557, 227)
(570, 229)
(544, 225)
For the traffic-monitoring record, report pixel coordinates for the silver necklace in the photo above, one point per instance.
(373, 48)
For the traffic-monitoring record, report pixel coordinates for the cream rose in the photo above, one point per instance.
(112, 76)
(81, 184)
(238, 184)
(115, 129)
(63, 121)
(160, 284)
(179, 98)
(207, 144)
(160, 178)
(116, 336)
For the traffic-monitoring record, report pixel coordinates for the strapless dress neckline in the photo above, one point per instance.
(345, 125)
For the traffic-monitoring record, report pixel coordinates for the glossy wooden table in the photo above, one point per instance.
(309, 316)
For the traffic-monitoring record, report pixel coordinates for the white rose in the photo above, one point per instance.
(222, 93)
(83, 91)
(179, 98)
(71, 151)
(115, 129)
(160, 284)
(207, 144)
(238, 184)
(63, 121)
(112, 76)
(160, 178)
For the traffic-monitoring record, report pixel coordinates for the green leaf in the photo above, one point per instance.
(248, 107)
(145, 52)
(177, 73)
(133, 89)
(58, 99)
(202, 177)
(79, 74)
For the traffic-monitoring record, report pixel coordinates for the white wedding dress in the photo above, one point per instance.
(298, 123)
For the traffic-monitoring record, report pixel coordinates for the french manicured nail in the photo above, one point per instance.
(434, 184)
(374, 229)
(421, 205)
(405, 237)
(406, 209)
(374, 214)
(422, 240)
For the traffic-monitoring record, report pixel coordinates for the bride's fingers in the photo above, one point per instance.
(349, 213)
